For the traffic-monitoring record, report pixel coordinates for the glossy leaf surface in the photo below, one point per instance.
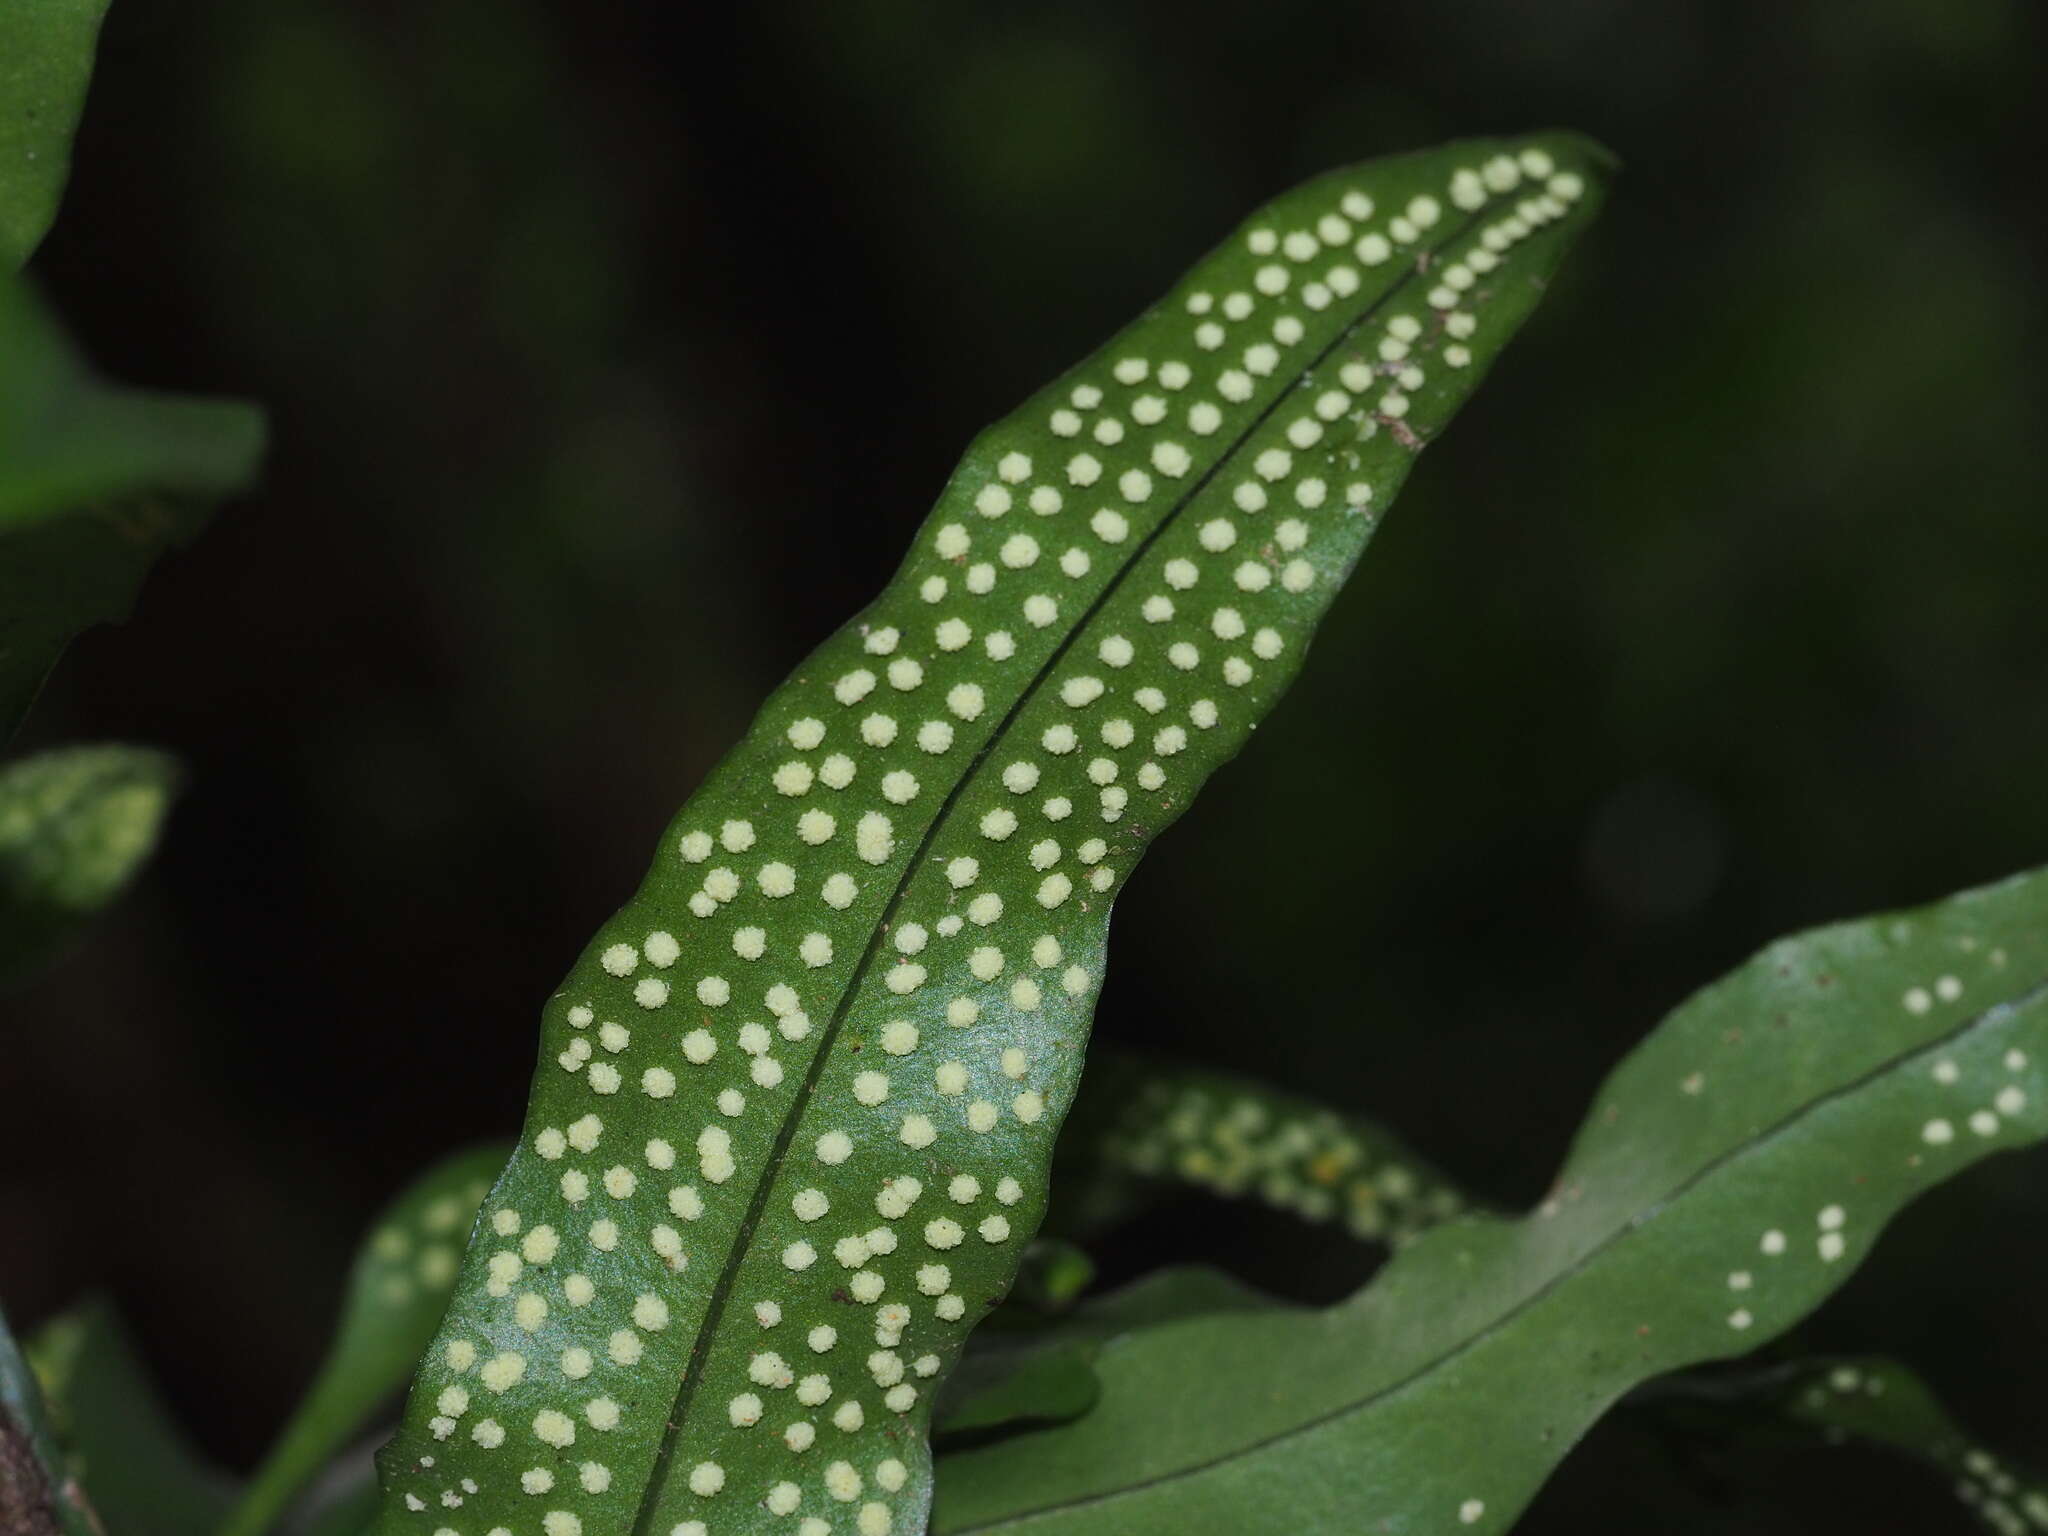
(795, 1103)
(75, 825)
(1865, 1401)
(1046, 1374)
(1733, 1172)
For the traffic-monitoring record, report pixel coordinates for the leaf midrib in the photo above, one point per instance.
(728, 1276)
(1627, 1226)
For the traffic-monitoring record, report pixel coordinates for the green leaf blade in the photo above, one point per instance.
(1858, 1067)
(144, 1476)
(1142, 1123)
(398, 1288)
(96, 483)
(796, 1102)
(75, 826)
(46, 51)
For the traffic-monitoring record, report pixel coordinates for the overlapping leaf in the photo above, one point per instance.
(1047, 1374)
(96, 483)
(398, 1288)
(1734, 1171)
(795, 1103)
(1867, 1401)
(1141, 1122)
(1881, 1402)
(121, 1448)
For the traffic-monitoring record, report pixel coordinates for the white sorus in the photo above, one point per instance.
(897, 1196)
(706, 1478)
(809, 1204)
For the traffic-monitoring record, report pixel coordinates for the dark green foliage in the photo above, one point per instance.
(75, 824)
(141, 1473)
(45, 61)
(96, 483)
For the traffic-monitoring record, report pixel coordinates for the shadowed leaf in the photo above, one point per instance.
(1047, 1373)
(1869, 1401)
(1143, 1124)
(144, 1477)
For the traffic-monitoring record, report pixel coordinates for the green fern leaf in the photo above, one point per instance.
(46, 49)
(1735, 1170)
(397, 1290)
(1858, 1400)
(1046, 1374)
(96, 484)
(75, 825)
(1141, 1125)
(796, 1102)
(121, 1444)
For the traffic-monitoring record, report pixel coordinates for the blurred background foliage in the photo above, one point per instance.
(612, 351)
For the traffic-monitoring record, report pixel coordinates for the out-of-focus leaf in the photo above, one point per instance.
(795, 1106)
(342, 1500)
(1734, 1170)
(45, 64)
(403, 1276)
(1866, 1400)
(119, 1439)
(1142, 1123)
(349, 1511)
(38, 1494)
(1051, 1278)
(1046, 1374)
(75, 825)
(96, 483)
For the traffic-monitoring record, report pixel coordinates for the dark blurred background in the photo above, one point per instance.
(613, 350)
